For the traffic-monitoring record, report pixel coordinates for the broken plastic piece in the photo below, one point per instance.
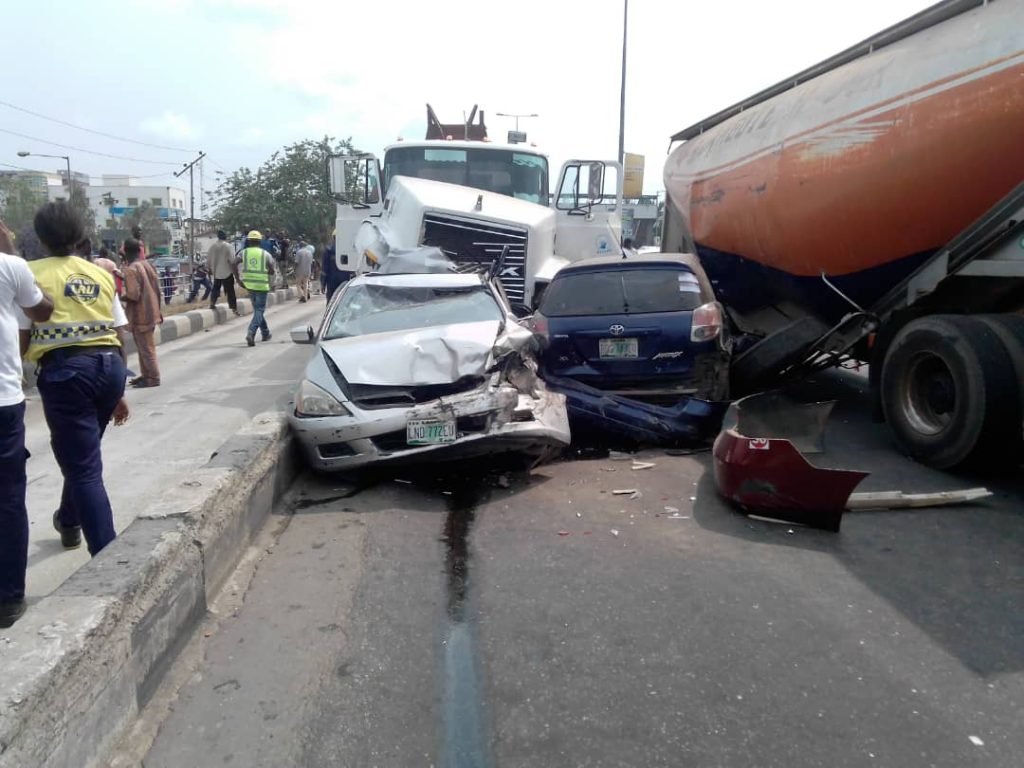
(624, 492)
(901, 500)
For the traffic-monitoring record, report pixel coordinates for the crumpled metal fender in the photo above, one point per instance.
(759, 462)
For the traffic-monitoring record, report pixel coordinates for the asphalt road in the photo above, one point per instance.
(485, 619)
(211, 384)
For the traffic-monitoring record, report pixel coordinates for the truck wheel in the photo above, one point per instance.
(1010, 330)
(763, 361)
(948, 391)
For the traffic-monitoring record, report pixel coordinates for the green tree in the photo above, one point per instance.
(154, 230)
(80, 202)
(288, 193)
(19, 201)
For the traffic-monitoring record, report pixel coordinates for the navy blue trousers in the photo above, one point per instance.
(13, 517)
(79, 395)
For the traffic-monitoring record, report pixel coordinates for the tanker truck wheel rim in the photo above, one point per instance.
(929, 394)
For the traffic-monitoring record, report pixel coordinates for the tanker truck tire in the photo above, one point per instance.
(949, 394)
(1010, 330)
(759, 366)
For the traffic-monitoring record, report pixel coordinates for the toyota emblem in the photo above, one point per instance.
(617, 330)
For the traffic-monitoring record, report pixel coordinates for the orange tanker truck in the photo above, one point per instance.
(870, 209)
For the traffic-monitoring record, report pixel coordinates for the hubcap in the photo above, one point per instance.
(929, 394)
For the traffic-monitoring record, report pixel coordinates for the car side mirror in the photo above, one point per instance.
(302, 334)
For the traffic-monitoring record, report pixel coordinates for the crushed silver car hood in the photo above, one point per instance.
(437, 355)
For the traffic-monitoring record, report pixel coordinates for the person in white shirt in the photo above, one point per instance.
(19, 294)
(303, 269)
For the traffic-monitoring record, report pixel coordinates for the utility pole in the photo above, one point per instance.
(622, 96)
(192, 206)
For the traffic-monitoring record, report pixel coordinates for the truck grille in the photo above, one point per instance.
(470, 242)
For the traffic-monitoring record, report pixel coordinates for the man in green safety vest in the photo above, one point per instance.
(257, 269)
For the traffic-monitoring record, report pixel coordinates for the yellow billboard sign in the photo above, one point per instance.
(633, 176)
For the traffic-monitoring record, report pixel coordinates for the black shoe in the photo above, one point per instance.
(70, 537)
(266, 337)
(11, 611)
(250, 340)
(302, 301)
(143, 384)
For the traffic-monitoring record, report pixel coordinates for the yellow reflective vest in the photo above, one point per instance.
(83, 306)
(255, 275)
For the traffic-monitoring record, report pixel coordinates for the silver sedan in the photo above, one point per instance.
(418, 368)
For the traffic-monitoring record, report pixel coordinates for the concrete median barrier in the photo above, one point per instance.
(78, 668)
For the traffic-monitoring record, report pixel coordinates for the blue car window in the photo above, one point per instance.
(621, 291)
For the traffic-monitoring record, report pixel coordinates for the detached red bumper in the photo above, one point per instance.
(759, 467)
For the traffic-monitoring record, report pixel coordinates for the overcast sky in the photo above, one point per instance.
(241, 78)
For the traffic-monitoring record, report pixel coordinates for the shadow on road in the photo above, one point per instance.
(955, 572)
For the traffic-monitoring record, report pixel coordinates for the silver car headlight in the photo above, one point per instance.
(312, 401)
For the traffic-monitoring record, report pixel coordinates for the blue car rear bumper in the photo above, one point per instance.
(593, 411)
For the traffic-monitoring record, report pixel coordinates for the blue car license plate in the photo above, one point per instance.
(430, 431)
(618, 349)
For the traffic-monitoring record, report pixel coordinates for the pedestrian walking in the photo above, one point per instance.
(104, 261)
(257, 270)
(17, 289)
(137, 234)
(331, 276)
(142, 305)
(314, 278)
(166, 283)
(200, 279)
(303, 268)
(221, 262)
(81, 373)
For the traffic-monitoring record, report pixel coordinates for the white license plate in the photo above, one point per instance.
(618, 349)
(430, 431)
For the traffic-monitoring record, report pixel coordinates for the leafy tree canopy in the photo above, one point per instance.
(19, 201)
(288, 193)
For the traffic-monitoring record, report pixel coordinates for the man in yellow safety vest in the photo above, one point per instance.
(257, 269)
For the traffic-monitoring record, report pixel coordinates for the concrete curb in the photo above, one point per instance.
(83, 661)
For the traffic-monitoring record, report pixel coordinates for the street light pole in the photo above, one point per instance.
(622, 95)
(65, 158)
(516, 116)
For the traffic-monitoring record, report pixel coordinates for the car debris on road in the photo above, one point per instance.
(760, 465)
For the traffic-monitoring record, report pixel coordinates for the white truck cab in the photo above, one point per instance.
(475, 198)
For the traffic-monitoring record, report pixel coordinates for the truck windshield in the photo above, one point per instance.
(516, 174)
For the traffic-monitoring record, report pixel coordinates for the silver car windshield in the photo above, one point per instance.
(370, 308)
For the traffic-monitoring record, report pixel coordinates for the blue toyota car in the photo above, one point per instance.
(646, 327)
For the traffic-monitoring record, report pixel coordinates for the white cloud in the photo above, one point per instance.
(171, 125)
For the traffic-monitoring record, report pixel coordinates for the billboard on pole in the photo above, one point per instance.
(633, 176)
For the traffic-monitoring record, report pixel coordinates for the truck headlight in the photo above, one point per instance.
(312, 401)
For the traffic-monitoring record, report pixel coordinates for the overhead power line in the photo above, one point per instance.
(87, 151)
(90, 130)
